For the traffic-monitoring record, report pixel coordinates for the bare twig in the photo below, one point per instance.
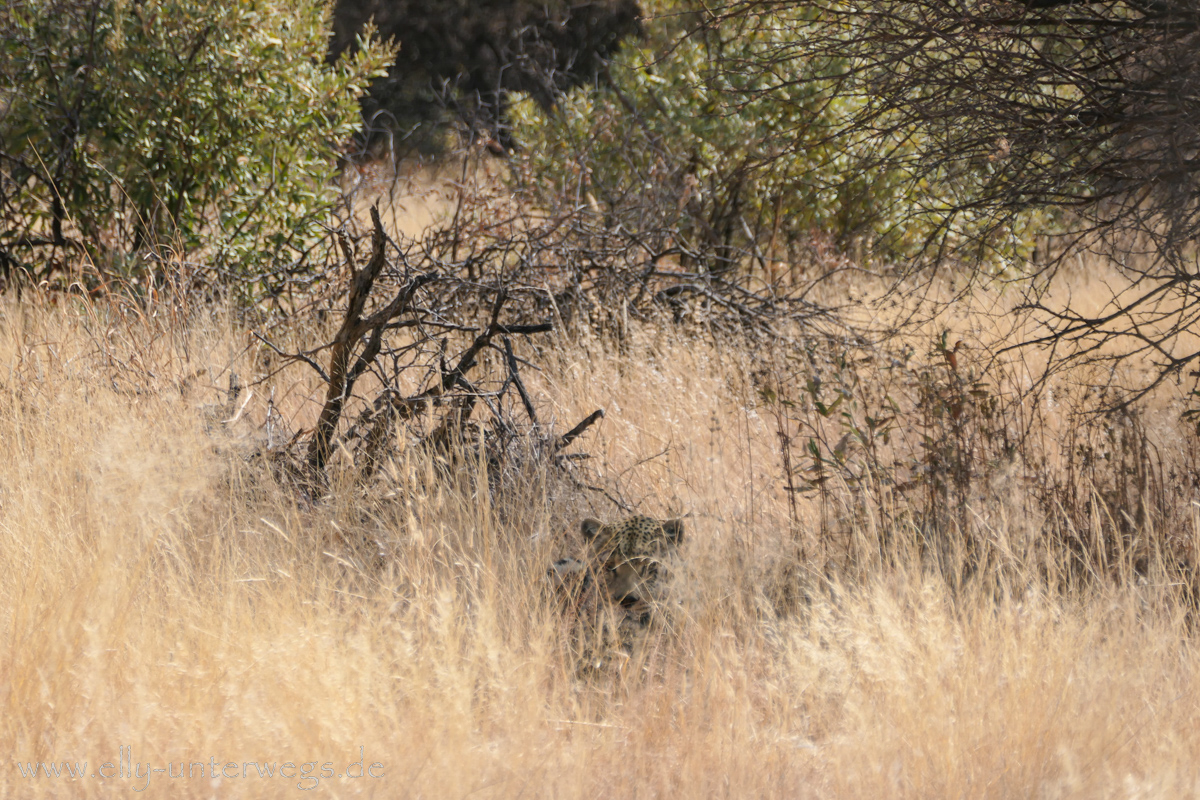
(516, 379)
(293, 356)
(579, 429)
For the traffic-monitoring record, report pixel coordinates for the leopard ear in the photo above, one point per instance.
(673, 528)
(589, 528)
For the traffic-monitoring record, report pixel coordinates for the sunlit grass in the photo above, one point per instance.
(166, 594)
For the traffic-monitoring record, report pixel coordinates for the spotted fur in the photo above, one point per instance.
(608, 596)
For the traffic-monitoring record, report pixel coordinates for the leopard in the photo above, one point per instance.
(609, 596)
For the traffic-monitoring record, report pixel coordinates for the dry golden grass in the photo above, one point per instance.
(162, 593)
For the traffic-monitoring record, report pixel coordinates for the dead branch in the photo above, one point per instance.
(340, 375)
(292, 356)
(578, 430)
(515, 375)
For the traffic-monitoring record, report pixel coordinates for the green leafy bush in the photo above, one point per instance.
(211, 125)
(720, 140)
